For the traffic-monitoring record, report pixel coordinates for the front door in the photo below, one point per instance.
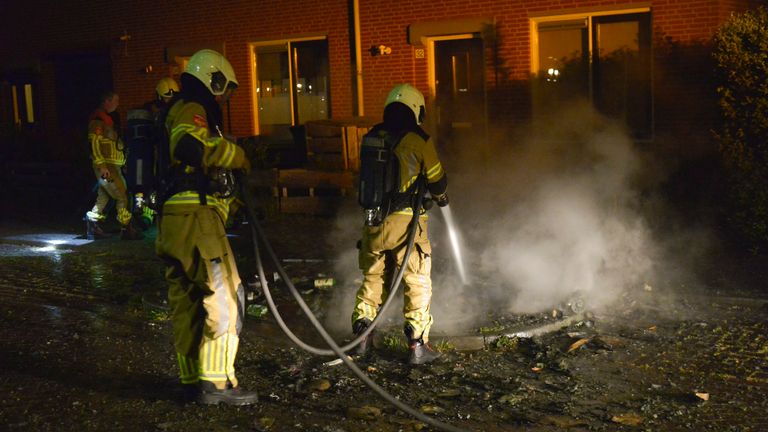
(459, 92)
(80, 79)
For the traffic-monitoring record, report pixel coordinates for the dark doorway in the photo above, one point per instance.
(459, 92)
(80, 78)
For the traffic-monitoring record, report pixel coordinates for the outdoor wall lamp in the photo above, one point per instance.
(380, 50)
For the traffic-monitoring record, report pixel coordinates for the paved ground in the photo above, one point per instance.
(86, 345)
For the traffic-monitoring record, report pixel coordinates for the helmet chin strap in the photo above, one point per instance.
(224, 97)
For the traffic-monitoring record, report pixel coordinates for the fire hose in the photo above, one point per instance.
(258, 235)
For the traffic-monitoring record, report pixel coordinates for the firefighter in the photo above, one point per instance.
(142, 137)
(205, 292)
(383, 245)
(166, 88)
(108, 156)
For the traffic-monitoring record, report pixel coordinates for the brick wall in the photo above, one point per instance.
(155, 25)
(685, 101)
(236, 24)
(688, 24)
(33, 29)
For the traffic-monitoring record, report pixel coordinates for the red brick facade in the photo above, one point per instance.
(137, 34)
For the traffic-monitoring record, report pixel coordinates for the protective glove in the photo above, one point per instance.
(104, 171)
(441, 200)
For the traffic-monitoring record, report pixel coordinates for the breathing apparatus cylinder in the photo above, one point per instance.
(141, 154)
(378, 176)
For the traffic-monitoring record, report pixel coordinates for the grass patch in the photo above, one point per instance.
(495, 329)
(443, 345)
(395, 342)
(504, 343)
(158, 315)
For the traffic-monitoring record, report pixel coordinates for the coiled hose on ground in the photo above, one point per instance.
(258, 235)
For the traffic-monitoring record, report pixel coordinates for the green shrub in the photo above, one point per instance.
(741, 54)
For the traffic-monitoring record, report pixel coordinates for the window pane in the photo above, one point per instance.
(28, 102)
(617, 51)
(273, 98)
(622, 72)
(460, 73)
(563, 72)
(311, 86)
(15, 98)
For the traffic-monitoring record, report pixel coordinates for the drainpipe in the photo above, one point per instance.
(358, 59)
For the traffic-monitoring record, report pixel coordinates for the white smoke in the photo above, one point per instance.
(545, 217)
(549, 217)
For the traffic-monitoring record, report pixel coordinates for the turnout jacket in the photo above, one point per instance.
(196, 145)
(107, 147)
(416, 155)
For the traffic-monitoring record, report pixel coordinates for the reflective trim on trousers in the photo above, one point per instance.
(123, 216)
(220, 294)
(364, 310)
(189, 368)
(217, 358)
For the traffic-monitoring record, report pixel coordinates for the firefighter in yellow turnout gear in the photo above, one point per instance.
(205, 292)
(108, 157)
(385, 233)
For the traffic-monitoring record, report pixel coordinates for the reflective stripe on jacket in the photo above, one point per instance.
(106, 145)
(417, 156)
(189, 118)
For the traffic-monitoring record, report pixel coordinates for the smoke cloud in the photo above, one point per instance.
(543, 217)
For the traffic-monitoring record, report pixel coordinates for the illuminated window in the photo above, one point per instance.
(28, 102)
(181, 62)
(15, 99)
(605, 58)
(291, 85)
(23, 104)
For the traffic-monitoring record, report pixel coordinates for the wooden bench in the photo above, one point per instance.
(306, 191)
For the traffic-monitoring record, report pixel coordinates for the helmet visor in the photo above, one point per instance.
(220, 83)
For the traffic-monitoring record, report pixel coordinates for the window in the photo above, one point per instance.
(18, 97)
(22, 105)
(605, 58)
(30, 106)
(15, 99)
(291, 84)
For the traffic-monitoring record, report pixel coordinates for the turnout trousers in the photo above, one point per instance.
(205, 294)
(381, 254)
(116, 189)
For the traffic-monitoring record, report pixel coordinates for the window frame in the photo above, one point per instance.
(253, 73)
(23, 101)
(589, 16)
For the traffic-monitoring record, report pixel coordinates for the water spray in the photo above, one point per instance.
(453, 235)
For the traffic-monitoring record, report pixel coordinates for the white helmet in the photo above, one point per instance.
(409, 96)
(213, 70)
(166, 88)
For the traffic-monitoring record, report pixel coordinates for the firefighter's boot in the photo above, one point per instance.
(211, 395)
(130, 232)
(94, 231)
(358, 328)
(419, 352)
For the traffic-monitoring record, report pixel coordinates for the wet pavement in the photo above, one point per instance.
(86, 345)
